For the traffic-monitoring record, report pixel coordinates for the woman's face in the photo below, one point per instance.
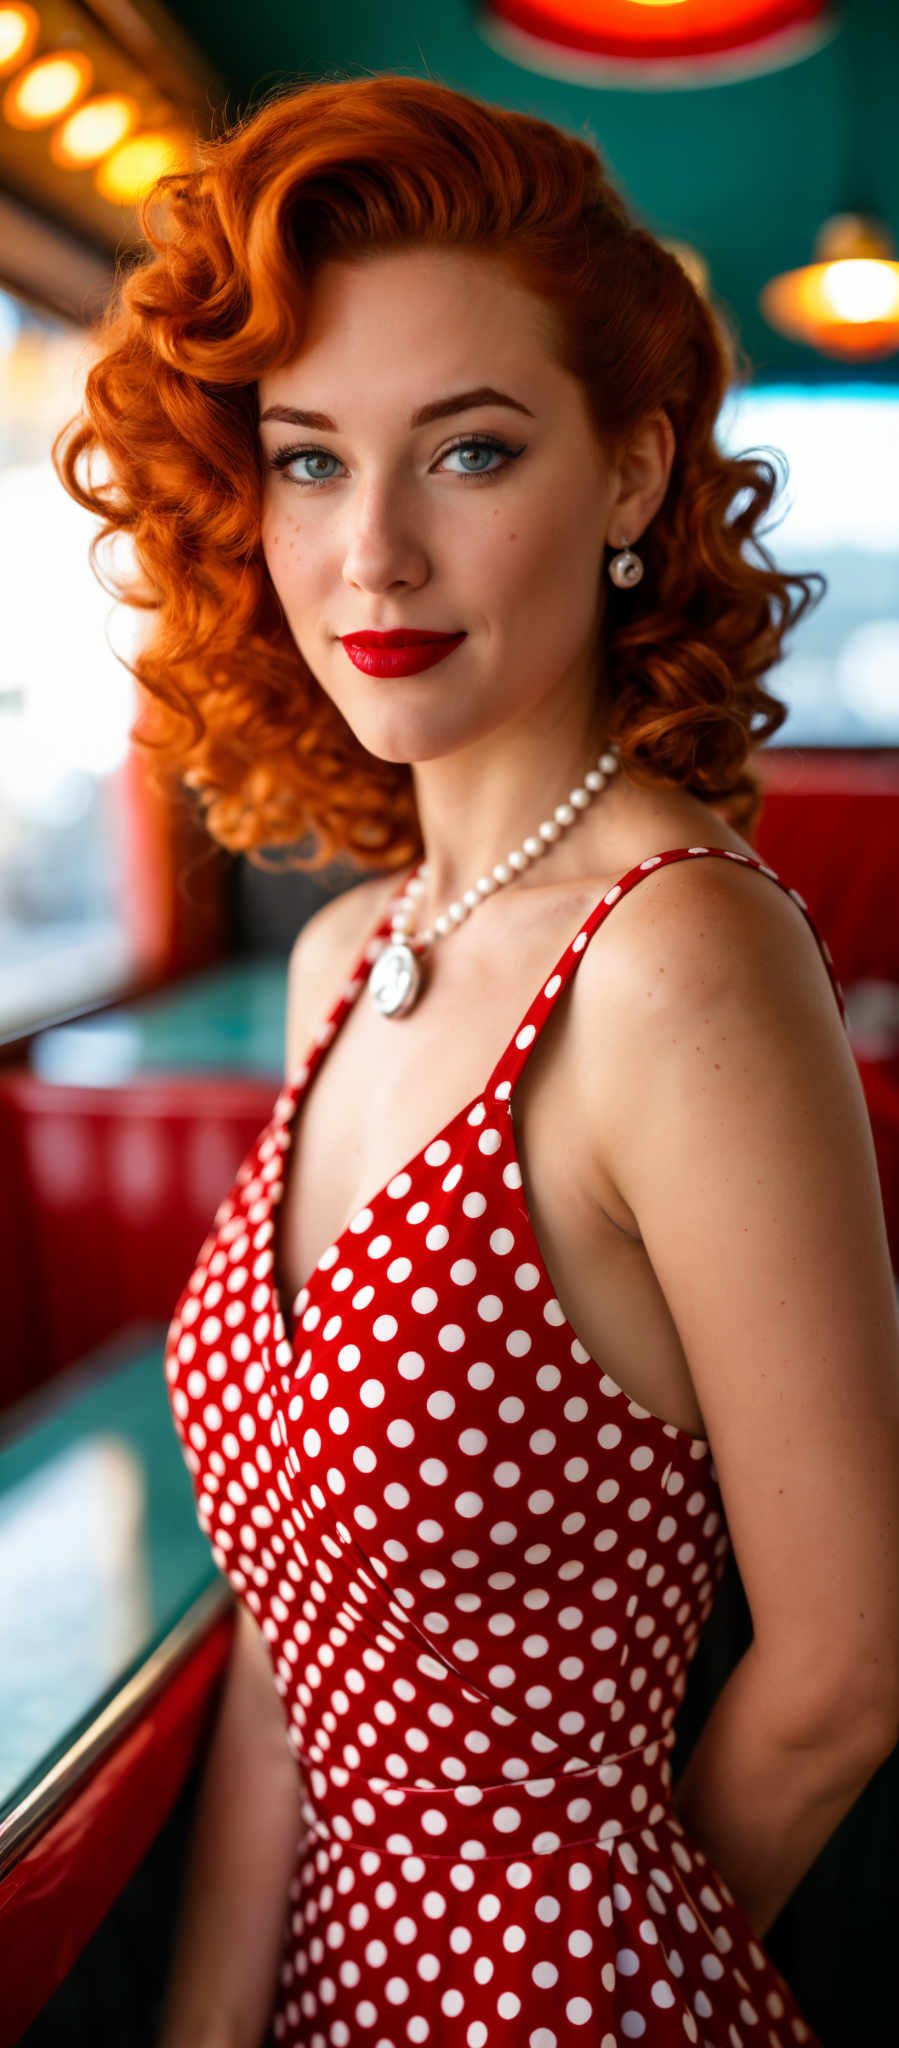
(383, 523)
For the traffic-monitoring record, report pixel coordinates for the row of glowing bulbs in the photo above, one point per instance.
(88, 131)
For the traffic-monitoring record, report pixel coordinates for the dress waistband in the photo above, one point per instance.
(517, 1817)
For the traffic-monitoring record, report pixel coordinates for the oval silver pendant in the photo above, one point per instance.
(395, 979)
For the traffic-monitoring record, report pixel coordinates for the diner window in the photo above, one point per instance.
(66, 703)
(838, 512)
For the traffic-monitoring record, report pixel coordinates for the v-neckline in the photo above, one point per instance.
(295, 1089)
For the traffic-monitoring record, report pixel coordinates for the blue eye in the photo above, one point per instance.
(286, 457)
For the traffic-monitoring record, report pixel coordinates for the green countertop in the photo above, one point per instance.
(226, 1020)
(100, 1551)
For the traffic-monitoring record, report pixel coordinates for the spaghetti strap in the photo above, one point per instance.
(356, 979)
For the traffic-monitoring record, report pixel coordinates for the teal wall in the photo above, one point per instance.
(746, 171)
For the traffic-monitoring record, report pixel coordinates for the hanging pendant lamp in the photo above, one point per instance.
(846, 302)
(641, 44)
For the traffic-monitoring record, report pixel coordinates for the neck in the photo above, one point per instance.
(474, 813)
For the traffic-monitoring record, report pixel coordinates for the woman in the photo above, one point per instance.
(475, 1399)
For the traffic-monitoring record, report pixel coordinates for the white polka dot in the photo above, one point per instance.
(462, 1272)
(437, 1153)
(525, 1036)
(490, 1308)
(508, 2005)
(511, 1409)
(472, 1442)
(450, 1337)
(399, 1432)
(433, 1471)
(468, 1504)
(489, 1140)
(411, 1365)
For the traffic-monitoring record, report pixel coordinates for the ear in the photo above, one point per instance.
(644, 468)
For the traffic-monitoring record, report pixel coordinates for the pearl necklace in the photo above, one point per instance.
(396, 978)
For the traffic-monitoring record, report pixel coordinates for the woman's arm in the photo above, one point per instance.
(245, 1834)
(732, 1120)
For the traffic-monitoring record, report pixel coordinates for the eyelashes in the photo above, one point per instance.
(285, 458)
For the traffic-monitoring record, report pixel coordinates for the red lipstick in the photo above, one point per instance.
(402, 653)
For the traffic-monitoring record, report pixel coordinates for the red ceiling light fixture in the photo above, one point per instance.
(664, 43)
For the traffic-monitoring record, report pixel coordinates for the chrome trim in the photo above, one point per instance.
(34, 1812)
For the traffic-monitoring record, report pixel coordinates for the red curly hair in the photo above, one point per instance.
(348, 170)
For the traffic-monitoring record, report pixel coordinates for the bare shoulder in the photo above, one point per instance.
(697, 931)
(323, 953)
(707, 976)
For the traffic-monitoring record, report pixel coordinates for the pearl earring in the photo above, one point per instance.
(626, 568)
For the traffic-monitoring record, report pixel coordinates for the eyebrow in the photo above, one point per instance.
(439, 409)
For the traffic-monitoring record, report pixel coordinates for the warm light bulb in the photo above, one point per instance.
(129, 171)
(46, 88)
(862, 289)
(19, 27)
(94, 130)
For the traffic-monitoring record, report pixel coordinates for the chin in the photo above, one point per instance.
(402, 739)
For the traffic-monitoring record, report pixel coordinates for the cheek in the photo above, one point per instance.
(280, 550)
(270, 539)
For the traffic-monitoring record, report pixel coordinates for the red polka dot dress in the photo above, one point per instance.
(481, 1571)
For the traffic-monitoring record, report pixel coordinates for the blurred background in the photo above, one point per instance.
(142, 969)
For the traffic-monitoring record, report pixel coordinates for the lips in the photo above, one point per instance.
(406, 659)
(404, 636)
